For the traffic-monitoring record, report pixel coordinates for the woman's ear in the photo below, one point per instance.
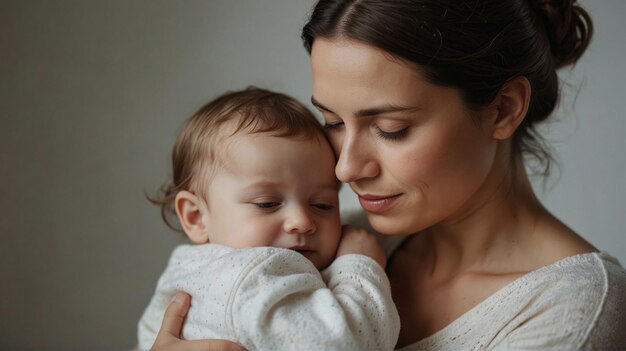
(193, 216)
(511, 106)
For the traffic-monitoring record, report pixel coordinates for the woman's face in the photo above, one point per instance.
(408, 148)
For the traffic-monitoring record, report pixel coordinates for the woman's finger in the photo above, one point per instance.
(174, 318)
(208, 345)
(197, 345)
(169, 335)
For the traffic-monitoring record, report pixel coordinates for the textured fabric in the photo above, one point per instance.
(577, 303)
(275, 299)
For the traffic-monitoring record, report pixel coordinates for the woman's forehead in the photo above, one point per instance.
(365, 78)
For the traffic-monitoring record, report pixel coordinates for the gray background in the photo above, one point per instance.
(92, 94)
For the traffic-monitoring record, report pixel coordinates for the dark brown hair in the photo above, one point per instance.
(475, 46)
(253, 110)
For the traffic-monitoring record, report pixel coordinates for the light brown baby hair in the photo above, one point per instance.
(252, 110)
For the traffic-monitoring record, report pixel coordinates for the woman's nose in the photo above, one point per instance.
(355, 161)
(299, 221)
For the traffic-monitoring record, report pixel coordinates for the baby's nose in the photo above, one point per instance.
(299, 222)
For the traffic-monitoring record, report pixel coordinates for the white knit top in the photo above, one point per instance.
(577, 303)
(267, 298)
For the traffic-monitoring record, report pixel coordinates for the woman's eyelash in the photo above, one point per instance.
(396, 135)
(331, 126)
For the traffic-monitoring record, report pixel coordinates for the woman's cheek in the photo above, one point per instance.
(424, 160)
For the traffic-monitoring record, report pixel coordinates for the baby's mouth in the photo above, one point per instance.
(303, 249)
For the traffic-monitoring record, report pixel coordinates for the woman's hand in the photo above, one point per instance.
(169, 339)
(360, 241)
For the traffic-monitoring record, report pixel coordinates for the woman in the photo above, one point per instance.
(431, 108)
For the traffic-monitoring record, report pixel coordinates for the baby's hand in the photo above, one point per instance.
(360, 241)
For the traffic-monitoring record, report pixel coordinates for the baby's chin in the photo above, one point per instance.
(319, 262)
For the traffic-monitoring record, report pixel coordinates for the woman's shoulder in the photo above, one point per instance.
(567, 304)
(578, 301)
(588, 267)
(583, 275)
(610, 322)
(615, 274)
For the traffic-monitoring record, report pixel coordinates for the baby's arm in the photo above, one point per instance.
(284, 302)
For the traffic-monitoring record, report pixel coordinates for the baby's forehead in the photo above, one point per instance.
(253, 153)
(231, 136)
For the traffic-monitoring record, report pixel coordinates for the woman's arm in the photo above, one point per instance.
(169, 339)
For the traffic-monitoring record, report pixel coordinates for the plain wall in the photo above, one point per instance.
(92, 94)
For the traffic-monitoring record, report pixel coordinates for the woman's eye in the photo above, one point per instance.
(332, 126)
(395, 135)
(267, 205)
(323, 207)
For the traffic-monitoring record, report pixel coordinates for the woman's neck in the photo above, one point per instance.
(494, 227)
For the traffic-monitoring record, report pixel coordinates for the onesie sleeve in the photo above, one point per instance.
(282, 302)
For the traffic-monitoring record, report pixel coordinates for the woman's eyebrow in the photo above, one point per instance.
(319, 105)
(373, 111)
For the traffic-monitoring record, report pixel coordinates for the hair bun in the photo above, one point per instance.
(568, 27)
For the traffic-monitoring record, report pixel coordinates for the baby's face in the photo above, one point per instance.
(276, 191)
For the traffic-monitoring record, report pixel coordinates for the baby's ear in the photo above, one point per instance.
(192, 214)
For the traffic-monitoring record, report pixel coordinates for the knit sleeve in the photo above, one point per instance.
(283, 303)
(583, 310)
(608, 331)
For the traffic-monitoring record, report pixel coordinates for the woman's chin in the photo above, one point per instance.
(392, 225)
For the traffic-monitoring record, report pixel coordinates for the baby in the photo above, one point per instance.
(254, 189)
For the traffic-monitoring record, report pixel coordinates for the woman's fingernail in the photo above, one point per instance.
(177, 299)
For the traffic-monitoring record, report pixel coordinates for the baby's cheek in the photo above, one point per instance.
(331, 240)
(254, 234)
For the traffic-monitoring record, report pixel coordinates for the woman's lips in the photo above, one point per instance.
(377, 204)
